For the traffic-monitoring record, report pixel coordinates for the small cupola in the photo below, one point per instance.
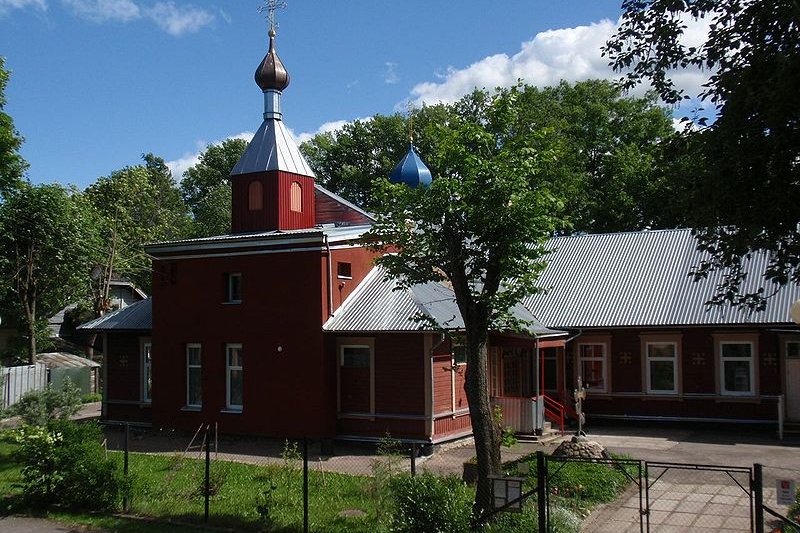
(411, 171)
(271, 74)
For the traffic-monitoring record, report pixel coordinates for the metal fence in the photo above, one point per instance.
(247, 483)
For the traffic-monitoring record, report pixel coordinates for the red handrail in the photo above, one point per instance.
(554, 410)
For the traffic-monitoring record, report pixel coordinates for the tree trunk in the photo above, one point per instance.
(31, 317)
(484, 426)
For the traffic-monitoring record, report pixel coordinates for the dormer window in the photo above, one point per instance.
(255, 196)
(296, 197)
(234, 288)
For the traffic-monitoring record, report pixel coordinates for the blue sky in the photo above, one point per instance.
(96, 83)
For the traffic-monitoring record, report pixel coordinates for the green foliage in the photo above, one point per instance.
(17, 350)
(430, 503)
(91, 397)
(508, 437)
(64, 464)
(45, 249)
(794, 514)
(206, 187)
(38, 408)
(12, 165)
(136, 205)
(742, 167)
(561, 520)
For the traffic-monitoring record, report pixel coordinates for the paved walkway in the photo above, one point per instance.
(23, 524)
(689, 500)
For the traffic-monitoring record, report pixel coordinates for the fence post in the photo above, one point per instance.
(208, 469)
(125, 467)
(413, 459)
(758, 496)
(305, 485)
(541, 490)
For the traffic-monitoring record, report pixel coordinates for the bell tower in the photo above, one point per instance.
(272, 184)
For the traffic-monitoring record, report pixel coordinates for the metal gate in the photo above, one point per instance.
(698, 497)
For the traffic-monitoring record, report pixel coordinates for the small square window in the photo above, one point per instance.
(793, 349)
(355, 356)
(459, 354)
(344, 270)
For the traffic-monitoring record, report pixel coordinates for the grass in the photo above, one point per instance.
(169, 488)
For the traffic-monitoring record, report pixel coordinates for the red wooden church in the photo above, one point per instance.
(285, 328)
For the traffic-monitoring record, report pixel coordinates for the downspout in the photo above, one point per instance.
(330, 274)
(539, 427)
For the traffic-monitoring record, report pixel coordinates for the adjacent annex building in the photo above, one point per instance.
(285, 327)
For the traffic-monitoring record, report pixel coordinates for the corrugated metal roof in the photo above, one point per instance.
(640, 279)
(65, 360)
(378, 305)
(334, 233)
(135, 317)
(272, 148)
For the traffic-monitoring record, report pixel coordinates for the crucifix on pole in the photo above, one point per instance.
(270, 6)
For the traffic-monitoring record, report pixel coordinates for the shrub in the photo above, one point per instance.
(430, 503)
(92, 397)
(37, 408)
(64, 464)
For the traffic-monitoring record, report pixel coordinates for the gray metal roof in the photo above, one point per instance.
(640, 279)
(272, 148)
(333, 233)
(134, 317)
(65, 360)
(378, 305)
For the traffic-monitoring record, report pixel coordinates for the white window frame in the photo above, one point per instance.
(603, 359)
(228, 368)
(230, 298)
(147, 371)
(189, 367)
(675, 362)
(752, 368)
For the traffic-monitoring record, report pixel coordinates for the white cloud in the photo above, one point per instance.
(178, 20)
(390, 75)
(105, 10)
(190, 159)
(570, 54)
(8, 5)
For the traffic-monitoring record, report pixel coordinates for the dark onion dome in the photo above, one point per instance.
(411, 171)
(271, 74)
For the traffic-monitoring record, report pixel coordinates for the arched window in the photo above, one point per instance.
(255, 195)
(296, 197)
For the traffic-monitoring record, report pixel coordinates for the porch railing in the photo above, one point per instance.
(554, 411)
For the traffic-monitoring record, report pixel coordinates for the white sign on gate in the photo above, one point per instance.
(786, 491)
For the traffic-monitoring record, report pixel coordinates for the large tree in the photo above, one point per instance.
(206, 187)
(744, 178)
(609, 145)
(46, 239)
(137, 205)
(12, 165)
(481, 227)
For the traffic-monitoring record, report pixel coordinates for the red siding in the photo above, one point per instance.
(123, 379)
(329, 211)
(400, 374)
(361, 261)
(276, 212)
(286, 392)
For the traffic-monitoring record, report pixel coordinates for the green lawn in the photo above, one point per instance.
(170, 488)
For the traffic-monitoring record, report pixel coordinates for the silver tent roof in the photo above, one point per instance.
(641, 279)
(134, 317)
(272, 148)
(378, 305)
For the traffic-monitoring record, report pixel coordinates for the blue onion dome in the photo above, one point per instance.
(411, 171)
(271, 74)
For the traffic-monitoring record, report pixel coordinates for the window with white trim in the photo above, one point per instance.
(147, 371)
(234, 377)
(194, 369)
(736, 368)
(234, 286)
(593, 367)
(662, 367)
